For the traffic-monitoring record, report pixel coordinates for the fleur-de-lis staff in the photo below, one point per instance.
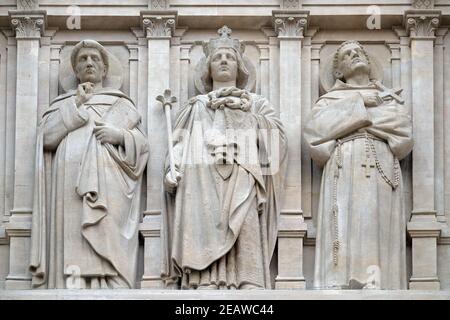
(166, 100)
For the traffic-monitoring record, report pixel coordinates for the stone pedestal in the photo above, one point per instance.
(291, 232)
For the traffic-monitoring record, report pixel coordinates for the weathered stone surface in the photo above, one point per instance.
(288, 45)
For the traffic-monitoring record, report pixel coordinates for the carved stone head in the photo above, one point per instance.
(350, 58)
(89, 61)
(224, 61)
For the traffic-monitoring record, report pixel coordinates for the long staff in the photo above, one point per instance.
(166, 100)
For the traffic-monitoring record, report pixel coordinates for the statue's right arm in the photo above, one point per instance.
(64, 119)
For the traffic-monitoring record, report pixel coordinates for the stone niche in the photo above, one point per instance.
(289, 45)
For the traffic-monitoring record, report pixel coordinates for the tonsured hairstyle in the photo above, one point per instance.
(89, 44)
(336, 73)
(242, 72)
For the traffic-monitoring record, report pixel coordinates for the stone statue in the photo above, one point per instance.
(87, 201)
(359, 131)
(224, 199)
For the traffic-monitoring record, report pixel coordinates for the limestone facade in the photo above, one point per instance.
(159, 43)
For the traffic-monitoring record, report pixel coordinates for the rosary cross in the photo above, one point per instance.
(368, 165)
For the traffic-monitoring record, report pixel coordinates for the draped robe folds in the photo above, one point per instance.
(87, 195)
(221, 226)
(370, 221)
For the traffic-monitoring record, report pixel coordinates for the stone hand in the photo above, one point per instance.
(108, 134)
(84, 93)
(226, 102)
(372, 100)
(171, 184)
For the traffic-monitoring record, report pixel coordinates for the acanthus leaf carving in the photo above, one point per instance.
(290, 26)
(27, 27)
(422, 25)
(159, 26)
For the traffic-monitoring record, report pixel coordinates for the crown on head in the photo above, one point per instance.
(224, 41)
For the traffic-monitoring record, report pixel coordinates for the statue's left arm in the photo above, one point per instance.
(392, 123)
(133, 154)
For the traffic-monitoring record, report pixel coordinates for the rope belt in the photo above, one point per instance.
(370, 152)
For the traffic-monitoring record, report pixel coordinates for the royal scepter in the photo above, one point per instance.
(166, 100)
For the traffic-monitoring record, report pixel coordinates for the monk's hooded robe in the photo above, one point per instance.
(87, 195)
(221, 226)
(361, 227)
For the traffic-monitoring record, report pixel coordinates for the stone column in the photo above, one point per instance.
(133, 61)
(159, 27)
(290, 26)
(264, 65)
(185, 61)
(55, 51)
(316, 178)
(423, 226)
(28, 25)
(439, 126)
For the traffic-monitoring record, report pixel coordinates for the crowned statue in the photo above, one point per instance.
(223, 200)
(358, 131)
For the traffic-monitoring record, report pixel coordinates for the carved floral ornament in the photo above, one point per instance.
(422, 26)
(290, 26)
(27, 27)
(159, 26)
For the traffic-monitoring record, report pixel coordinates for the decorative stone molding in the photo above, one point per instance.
(158, 4)
(290, 23)
(291, 4)
(423, 4)
(28, 24)
(422, 23)
(27, 4)
(159, 24)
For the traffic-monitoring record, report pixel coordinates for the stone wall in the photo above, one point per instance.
(409, 42)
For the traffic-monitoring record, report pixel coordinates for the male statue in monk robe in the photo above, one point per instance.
(87, 201)
(359, 130)
(224, 197)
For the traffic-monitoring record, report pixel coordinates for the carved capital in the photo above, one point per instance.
(28, 24)
(159, 24)
(290, 23)
(422, 23)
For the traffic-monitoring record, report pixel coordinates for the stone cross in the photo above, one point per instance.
(368, 165)
(386, 92)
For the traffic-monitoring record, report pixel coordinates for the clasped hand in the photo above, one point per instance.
(229, 102)
(372, 100)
